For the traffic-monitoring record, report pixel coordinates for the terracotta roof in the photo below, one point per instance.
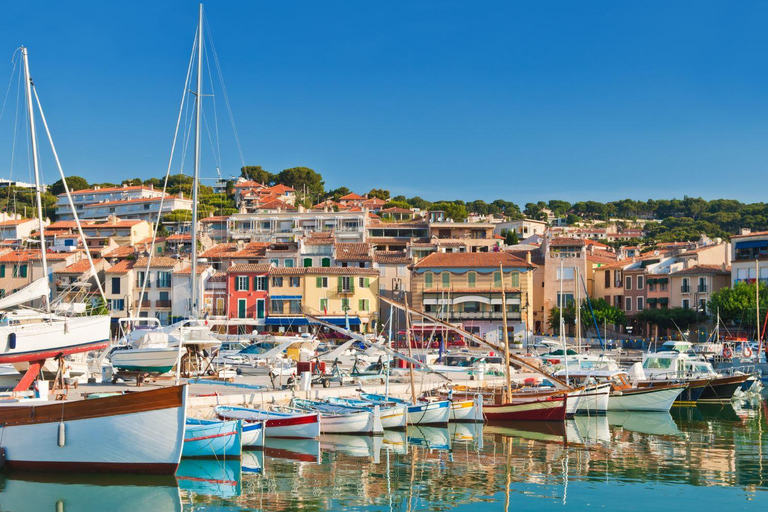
(121, 252)
(180, 237)
(373, 201)
(756, 233)
(79, 266)
(158, 262)
(280, 188)
(229, 250)
(340, 271)
(566, 242)
(14, 222)
(118, 224)
(319, 238)
(275, 204)
(472, 260)
(353, 251)
(352, 197)
(600, 258)
(537, 256)
(703, 270)
(392, 258)
(23, 256)
(248, 184)
(216, 218)
(596, 243)
(248, 267)
(62, 224)
(219, 277)
(121, 267)
(396, 209)
(188, 270)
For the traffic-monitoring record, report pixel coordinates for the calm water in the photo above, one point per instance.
(698, 459)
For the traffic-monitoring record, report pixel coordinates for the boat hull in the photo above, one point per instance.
(358, 422)
(467, 411)
(205, 438)
(277, 424)
(721, 390)
(430, 413)
(133, 433)
(253, 434)
(153, 360)
(594, 400)
(394, 417)
(548, 409)
(645, 399)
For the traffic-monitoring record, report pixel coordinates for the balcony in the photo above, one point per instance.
(346, 290)
(144, 304)
(163, 304)
(685, 289)
(702, 288)
(484, 315)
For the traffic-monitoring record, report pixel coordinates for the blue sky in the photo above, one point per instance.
(443, 99)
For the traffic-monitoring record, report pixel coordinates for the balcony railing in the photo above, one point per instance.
(685, 289)
(163, 304)
(484, 315)
(144, 304)
(347, 289)
(702, 288)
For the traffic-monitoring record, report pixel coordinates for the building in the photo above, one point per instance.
(181, 292)
(20, 268)
(339, 295)
(158, 289)
(565, 259)
(290, 226)
(467, 288)
(248, 293)
(359, 254)
(141, 208)
(118, 287)
(123, 232)
(17, 229)
(316, 250)
(215, 227)
(223, 256)
(523, 227)
(78, 282)
(83, 198)
(749, 259)
(692, 287)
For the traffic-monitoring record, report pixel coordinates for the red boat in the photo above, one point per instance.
(549, 408)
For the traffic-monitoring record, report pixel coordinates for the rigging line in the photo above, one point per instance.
(217, 152)
(167, 175)
(15, 139)
(69, 198)
(210, 139)
(187, 129)
(15, 62)
(226, 96)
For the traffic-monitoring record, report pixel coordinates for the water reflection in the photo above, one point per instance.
(712, 457)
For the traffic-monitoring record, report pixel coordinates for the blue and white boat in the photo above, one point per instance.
(211, 438)
(253, 434)
(436, 412)
(392, 416)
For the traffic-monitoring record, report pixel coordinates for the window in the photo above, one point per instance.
(295, 281)
(118, 304)
(567, 300)
(363, 305)
(140, 277)
(471, 279)
(497, 279)
(607, 275)
(219, 306)
(324, 306)
(345, 304)
(15, 271)
(294, 306)
(241, 284)
(446, 277)
(565, 273)
(515, 278)
(628, 303)
(115, 285)
(346, 284)
(474, 307)
(628, 283)
(686, 304)
(363, 282)
(260, 283)
(702, 284)
(276, 306)
(307, 262)
(274, 262)
(427, 279)
(640, 304)
(260, 308)
(164, 280)
(277, 281)
(702, 305)
(2, 270)
(321, 282)
(640, 282)
(686, 286)
(289, 262)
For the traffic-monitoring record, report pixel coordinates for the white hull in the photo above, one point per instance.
(594, 399)
(360, 422)
(278, 424)
(146, 359)
(467, 410)
(572, 404)
(394, 417)
(428, 413)
(47, 339)
(651, 400)
(253, 434)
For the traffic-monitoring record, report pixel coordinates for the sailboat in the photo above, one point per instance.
(30, 336)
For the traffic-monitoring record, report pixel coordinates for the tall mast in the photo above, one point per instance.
(578, 310)
(410, 351)
(757, 296)
(506, 335)
(562, 321)
(198, 108)
(35, 162)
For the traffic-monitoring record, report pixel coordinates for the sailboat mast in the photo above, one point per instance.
(35, 161)
(506, 335)
(757, 297)
(198, 108)
(410, 351)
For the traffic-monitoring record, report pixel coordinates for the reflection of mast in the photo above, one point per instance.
(508, 449)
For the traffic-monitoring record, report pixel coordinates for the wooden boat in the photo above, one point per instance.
(133, 433)
(467, 410)
(652, 399)
(277, 424)
(253, 434)
(392, 416)
(421, 413)
(550, 408)
(342, 419)
(211, 438)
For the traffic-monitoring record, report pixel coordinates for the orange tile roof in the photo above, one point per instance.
(562, 242)
(121, 267)
(279, 188)
(188, 270)
(79, 266)
(248, 184)
(248, 267)
(180, 237)
(106, 189)
(216, 218)
(353, 251)
(121, 252)
(341, 271)
(352, 197)
(392, 258)
(158, 262)
(702, 270)
(472, 260)
(14, 222)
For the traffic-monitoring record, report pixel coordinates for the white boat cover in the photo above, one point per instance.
(71, 307)
(153, 339)
(35, 290)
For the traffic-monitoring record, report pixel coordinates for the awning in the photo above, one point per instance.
(751, 244)
(652, 301)
(287, 321)
(663, 300)
(286, 297)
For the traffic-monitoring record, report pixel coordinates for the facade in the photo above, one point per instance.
(123, 232)
(145, 208)
(17, 229)
(749, 259)
(523, 227)
(20, 268)
(82, 198)
(564, 259)
(317, 250)
(77, 282)
(159, 285)
(692, 287)
(289, 226)
(337, 294)
(119, 288)
(181, 292)
(248, 293)
(467, 288)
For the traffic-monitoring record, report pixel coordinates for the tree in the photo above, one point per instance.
(338, 193)
(379, 193)
(178, 216)
(511, 238)
(668, 318)
(300, 177)
(455, 212)
(73, 182)
(737, 304)
(258, 174)
(421, 204)
(397, 204)
(605, 314)
(135, 182)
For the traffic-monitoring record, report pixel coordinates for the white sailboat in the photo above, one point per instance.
(30, 336)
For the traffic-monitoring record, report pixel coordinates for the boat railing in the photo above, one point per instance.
(734, 370)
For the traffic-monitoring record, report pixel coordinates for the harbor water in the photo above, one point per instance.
(694, 458)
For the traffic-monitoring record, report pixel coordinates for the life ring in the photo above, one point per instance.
(727, 352)
(746, 351)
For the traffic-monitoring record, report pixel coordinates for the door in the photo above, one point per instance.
(241, 308)
(260, 308)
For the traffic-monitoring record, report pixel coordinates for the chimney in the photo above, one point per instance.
(151, 186)
(528, 257)
(745, 231)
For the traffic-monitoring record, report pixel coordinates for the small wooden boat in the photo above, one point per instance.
(253, 434)
(211, 438)
(291, 425)
(436, 412)
(342, 419)
(392, 416)
(134, 433)
(550, 408)
(467, 410)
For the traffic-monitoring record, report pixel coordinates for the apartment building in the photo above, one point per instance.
(289, 226)
(749, 257)
(159, 285)
(82, 198)
(119, 286)
(248, 293)
(78, 282)
(144, 208)
(564, 260)
(692, 287)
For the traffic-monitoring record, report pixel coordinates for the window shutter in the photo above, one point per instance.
(341, 283)
(2, 270)
(319, 281)
(367, 282)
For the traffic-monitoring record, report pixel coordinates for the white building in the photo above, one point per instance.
(290, 226)
(140, 208)
(523, 227)
(82, 198)
(181, 293)
(749, 257)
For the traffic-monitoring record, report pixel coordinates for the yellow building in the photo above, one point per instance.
(336, 294)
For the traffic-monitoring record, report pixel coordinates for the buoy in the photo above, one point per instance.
(746, 351)
(62, 434)
(727, 352)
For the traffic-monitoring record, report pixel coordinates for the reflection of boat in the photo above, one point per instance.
(466, 432)
(654, 423)
(535, 430)
(253, 461)
(587, 429)
(433, 438)
(356, 446)
(396, 441)
(302, 450)
(133, 433)
(209, 477)
(289, 425)
(211, 438)
(25, 491)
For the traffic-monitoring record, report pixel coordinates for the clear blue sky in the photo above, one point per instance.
(444, 99)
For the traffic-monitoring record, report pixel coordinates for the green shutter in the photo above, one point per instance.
(2, 270)
(23, 271)
(341, 283)
(367, 282)
(319, 282)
